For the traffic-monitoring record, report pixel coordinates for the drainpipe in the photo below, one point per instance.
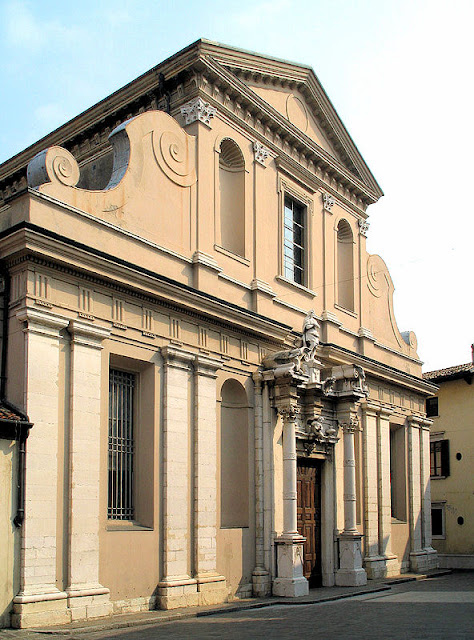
(21, 427)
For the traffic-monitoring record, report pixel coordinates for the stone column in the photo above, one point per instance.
(290, 581)
(176, 588)
(211, 586)
(392, 565)
(87, 598)
(374, 564)
(268, 476)
(260, 575)
(39, 601)
(350, 572)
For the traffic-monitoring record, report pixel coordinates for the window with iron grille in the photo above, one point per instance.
(439, 458)
(121, 445)
(294, 241)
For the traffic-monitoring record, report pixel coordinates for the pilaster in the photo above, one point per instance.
(392, 565)
(176, 588)
(373, 563)
(211, 586)
(87, 598)
(39, 600)
(260, 575)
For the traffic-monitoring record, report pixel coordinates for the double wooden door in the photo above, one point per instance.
(309, 517)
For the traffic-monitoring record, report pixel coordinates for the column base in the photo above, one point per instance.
(350, 573)
(381, 567)
(424, 560)
(261, 583)
(212, 589)
(89, 602)
(290, 582)
(192, 592)
(40, 609)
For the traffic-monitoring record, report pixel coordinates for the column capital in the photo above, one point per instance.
(198, 110)
(207, 366)
(415, 421)
(369, 409)
(288, 413)
(349, 425)
(42, 322)
(177, 358)
(87, 334)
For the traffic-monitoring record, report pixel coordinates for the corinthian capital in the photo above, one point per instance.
(199, 110)
(349, 426)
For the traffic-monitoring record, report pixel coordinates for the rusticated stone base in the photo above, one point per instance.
(421, 561)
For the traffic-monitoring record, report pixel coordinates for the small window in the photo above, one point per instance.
(121, 445)
(294, 221)
(439, 459)
(398, 473)
(437, 521)
(431, 407)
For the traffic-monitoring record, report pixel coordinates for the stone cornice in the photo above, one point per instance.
(65, 251)
(235, 93)
(335, 353)
(200, 69)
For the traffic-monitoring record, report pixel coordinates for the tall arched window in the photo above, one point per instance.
(234, 456)
(345, 266)
(232, 197)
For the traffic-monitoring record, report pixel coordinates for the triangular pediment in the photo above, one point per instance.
(295, 93)
(294, 107)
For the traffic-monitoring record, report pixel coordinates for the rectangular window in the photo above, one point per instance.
(439, 459)
(294, 241)
(398, 472)
(431, 407)
(121, 445)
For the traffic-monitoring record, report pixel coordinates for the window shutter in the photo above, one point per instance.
(445, 457)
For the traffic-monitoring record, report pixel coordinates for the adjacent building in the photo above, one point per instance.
(452, 462)
(222, 402)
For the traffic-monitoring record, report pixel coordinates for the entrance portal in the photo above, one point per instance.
(309, 517)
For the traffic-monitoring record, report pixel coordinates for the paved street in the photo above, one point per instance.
(437, 608)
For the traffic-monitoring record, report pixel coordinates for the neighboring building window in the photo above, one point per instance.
(232, 197)
(345, 266)
(439, 458)
(431, 407)
(294, 241)
(121, 445)
(437, 521)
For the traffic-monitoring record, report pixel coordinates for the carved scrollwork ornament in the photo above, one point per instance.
(55, 164)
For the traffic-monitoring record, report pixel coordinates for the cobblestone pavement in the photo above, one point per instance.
(439, 608)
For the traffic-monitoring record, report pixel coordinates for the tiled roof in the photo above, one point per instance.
(449, 371)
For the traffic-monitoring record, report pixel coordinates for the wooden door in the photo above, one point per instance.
(309, 518)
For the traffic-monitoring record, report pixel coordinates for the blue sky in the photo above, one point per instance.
(399, 73)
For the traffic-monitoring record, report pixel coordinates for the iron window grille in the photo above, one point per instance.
(121, 445)
(294, 241)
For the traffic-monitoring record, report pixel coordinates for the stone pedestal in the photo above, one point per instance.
(291, 582)
(350, 573)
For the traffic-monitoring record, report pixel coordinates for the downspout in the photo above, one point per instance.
(22, 428)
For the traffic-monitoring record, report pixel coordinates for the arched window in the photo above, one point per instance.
(234, 456)
(232, 197)
(345, 266)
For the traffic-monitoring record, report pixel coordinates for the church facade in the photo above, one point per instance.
(222, 404)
